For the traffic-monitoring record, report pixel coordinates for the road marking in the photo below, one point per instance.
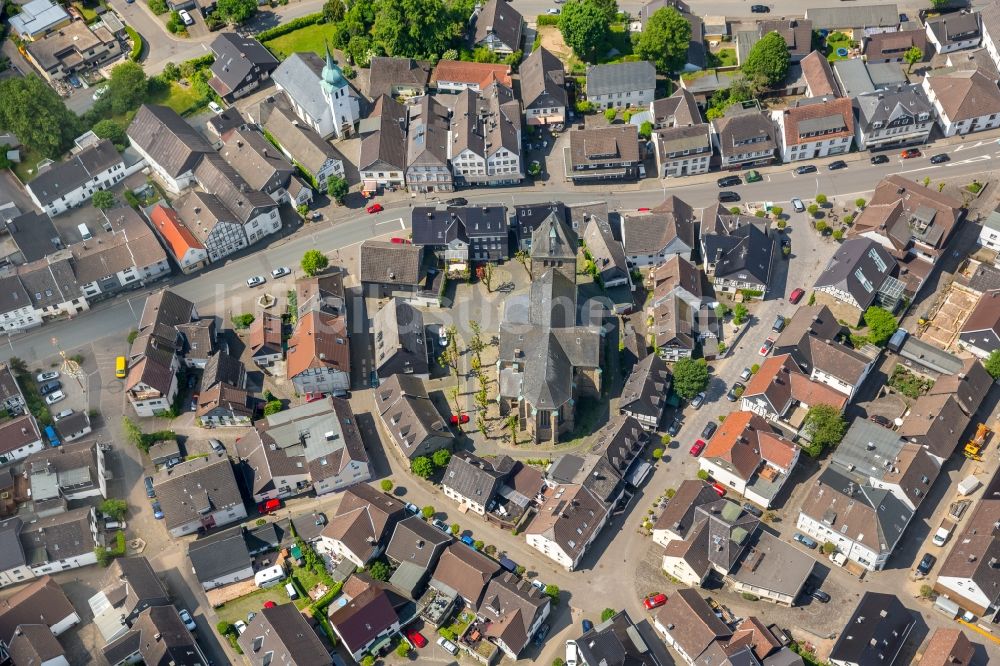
(395, 219)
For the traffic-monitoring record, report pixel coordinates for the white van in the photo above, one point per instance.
(84, 232)
(290, 589)
(114, 525)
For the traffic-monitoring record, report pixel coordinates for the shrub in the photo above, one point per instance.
(754, 369)
(403, 649)
(428, 512)
(223, 628)
(860, 203)
(158, 6)
(243, 320)
(669, 493)
(750, 597)
(272, 407)
(657, 454)
(584, 107)
(610, 115)
(703, 475)
(386, 485)
(291, 26)
(838, 234)
(441, 457)
(821, 226)
(132, 335)
(607, 614)
(422, 467)
(927, 592)
(455, 528)
(828, 547)
(821, 199)
(665, 439)
(136, 39)
(478, 545)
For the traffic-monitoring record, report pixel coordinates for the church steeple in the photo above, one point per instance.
(333, 78)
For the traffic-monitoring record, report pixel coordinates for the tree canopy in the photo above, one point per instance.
(236, 11)
(128, 88)
(103, 199)
(992, 364)
(422, 467)
(881, 325)
(690, 377)
(313, 261)
(824, 426)
(412, 28)
(768, 59)
(664, 40)
(33, 111)
(337, 187)
(113, 132)
(584, 27)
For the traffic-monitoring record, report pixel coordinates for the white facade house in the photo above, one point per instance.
(868, 557)
(989, 16)
(814, 130)
(72, 183)
(19, 438)
(171, 147)
(964, 102)
(319, 94)
(621, 85)
(953, 32)
(893, 117)
(583, 516)
(989, 235)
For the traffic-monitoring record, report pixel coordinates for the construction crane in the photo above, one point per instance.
(974, 447)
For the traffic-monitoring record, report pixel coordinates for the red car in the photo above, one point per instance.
(697, 448)
(455, 420)
(765, 348)
(910, 152)
(717, 487)
(270, 506)
(401, 241)
(269, 604)
(796, 296)
(375, 208)
(643, 210)
(654, 601)
(313, 397)
(416, 638)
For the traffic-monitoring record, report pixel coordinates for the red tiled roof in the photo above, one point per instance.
(177, 236)
(840, 106)
(479, 73)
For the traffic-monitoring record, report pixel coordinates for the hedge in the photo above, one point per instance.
(546, 19)
(291, 26)
(136, 43)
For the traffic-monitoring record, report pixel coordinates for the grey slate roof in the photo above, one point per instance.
(385, 147)
(472, 477)
(64, 177)
(299, 75)
(304, 145)
(543, 81)
(236, 57)
(500, 18)
(34, 235)
(678, 110)
(893, 105)
(384, 73)
(606, 250)
(620, 77)
(195, 486)
(953, 28)
(280, 635)
(745, 254)
(256, 160)
(429, 133)
(616, 642)
(163, 134)
(853, 16)
(221, 179)
(390, 263)
(854, 256)
(398, 328)
(221, 367)
(646, 388)
(219, 554)
(416, 541)
(57, 537)
(876, 632)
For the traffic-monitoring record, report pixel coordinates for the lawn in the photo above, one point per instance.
(89, 15)
(310, 38)
(239, 608)
(835, 41)
(29, 159)
(180, 98)
(461, 623)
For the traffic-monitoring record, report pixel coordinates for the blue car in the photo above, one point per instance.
(587, 626)
(468, 541)
(157, 511)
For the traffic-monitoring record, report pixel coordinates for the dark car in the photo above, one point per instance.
(839, 164)
(940, 158)
(729, 181)
(675, 427)
(709, 430)
(760, 9)
(543, 631)
(820, 595)
(751, 509)
(880, 159)
(457, 201)
(735, 392)
(49, 387)
(805, 168)
(727, 196)
(878, 419)
(927, 563)
(150, 491)
(779, 324)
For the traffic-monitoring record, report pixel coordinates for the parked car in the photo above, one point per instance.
(157, 510)
(457, 201)
(746, 374)
(554, 11)
(269, 506)
(63, 414)
(416, 639)
(760, 9)
(697, 447)
(654, 601)
(187, 619)
(674, 427)
(779, 324)
(709, 430)
(728, 197)
(374, 208)
(186, 17)
(280, 271)
(194, 401)
(240, 626)
(926, 563)
(880, 420)
(751, 509)
(412, 508)
(468, 541)
(314, 396)
(910, 153)
(448, 646)
(729, 181)
(797, 205)
(719, 489)
(820, 596)
(543, 632)
(796, 295)
(150, 491)
(754, 176)
(49, 387)
(698, 400)
(54, 397)
(804, 540)
(440, 524)
(400, 241)
(217, 446)
(255, 281)
(765, 348)
(735, 392)
(538, 584)
(215, 108)
(805, 168)
(940, 158)
(47, 376)
(879, 159)
(455, 420)
(836, 165)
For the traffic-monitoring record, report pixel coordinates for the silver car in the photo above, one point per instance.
(255, 281)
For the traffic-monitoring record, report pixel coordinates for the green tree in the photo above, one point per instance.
(912, 56)
(646, 129)
(823, 426)
(860, 203)
(386, 485)
(379, 570)
(813, 209)
(224, 628)
(821, 226)
(337, 187)
(133, 433)
(272, 407)
(242, 320)
(403, 649)
(881, 325)
(552, 592)
(113, 132)
(35, 113)
(333, 11)
(690, 377)
(664, 40)
(584, 27)
(702, 474)
(422, 467)
(740, 313)
(558, 661)
(484, 54)
(103, 199)
(235, 11)
(992, 364)
(768, 59)
(412, 28)
(610, 114)
(828, 547)
(455, 529)
(821, 199)
(367, 660)
(838, 234)
(609, 8)
(607, 614)
(441, 457)
(171, 72)
(128, 88)
(313, 262)
(116, 508)
(657, 454)
(428, 512)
